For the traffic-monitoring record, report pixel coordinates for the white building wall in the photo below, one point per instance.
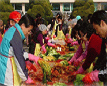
(19, 1)
(70, 1)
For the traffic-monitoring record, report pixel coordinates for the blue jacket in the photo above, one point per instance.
(12, 57)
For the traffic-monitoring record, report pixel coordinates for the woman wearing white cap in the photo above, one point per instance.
(38, 38)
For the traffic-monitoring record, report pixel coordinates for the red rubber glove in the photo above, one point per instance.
(91, 77)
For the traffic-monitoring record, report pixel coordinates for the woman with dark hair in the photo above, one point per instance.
(12, 56)
(85, 33)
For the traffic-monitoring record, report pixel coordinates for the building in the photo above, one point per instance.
(20, 5)
(66, 6)
(63, 6)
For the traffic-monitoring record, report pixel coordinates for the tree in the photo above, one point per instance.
(83, 8)
(5, 9)
(44, 10)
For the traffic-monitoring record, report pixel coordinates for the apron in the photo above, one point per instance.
(37, 49)
(54, 28)
(83, 46)
(60, 34)
(70, 32)
(16, 78)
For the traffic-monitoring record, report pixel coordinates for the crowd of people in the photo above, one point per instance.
(89, 33)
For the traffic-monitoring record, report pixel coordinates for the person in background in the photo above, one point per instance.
(99, 21)
(61, 29)
(40, 40)
(12, 56)
(85, 31)
(32, 36)
(1, 30)
(89, 18)
(14, 18)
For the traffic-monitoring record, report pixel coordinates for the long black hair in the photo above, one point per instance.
(27, 20)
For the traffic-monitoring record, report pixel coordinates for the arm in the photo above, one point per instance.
(40, 39)
(16, 43)
(77, 54)
(94, 49)
(84, 54)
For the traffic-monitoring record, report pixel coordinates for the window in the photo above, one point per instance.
(18, 6)
(26, 7)
(56, 7)
(104, 6)
(72, 7)
(66, 7)
(95, 6)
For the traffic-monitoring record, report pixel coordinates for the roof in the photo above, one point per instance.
(72, 1)
(19, 1)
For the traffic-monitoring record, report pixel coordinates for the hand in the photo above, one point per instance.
(47, 38)
(69, 62)
(76, 63)
(91, 77)
(52, 45)
(34, 58)
(29, 81)
(44, 50)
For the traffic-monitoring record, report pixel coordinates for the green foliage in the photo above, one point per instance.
(4, 16)
(5, 9)
(45, 9)
(78, 80)
(35, 10)
(83, 8)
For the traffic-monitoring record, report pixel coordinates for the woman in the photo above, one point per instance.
(85, 31)
(12, 57)
(39, 39)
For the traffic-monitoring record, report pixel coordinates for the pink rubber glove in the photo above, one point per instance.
(74, 43)
(34, 58)
(80, 70)
(73, 59)
(44, 50)
(76, 63)
(50, 44)
(91, 77)
(47, 38)
(67, 35)
(29, 81)
(69, 40)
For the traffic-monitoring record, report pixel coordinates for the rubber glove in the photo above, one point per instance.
(74, 43)
(72, 60)
(30, 66)
(44, 50)
(29, 81)
(80, 70)
(54, 36)
(91, 77)
(50, 44)
(34, 58)
(47, 38)
(67, 35)
(70, 40)
(76, 63)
